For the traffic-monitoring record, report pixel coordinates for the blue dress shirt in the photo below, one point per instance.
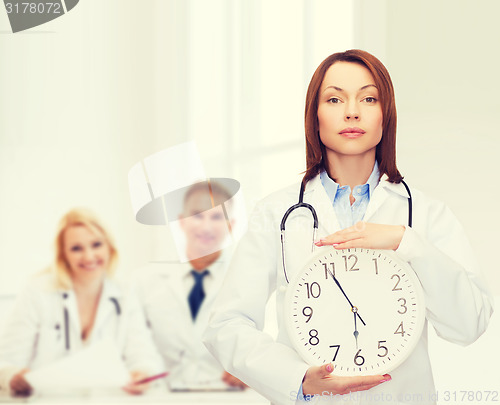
(348, 214)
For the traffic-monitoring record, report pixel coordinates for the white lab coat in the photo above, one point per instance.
(163, 290)
(34, 335)
(458, 305)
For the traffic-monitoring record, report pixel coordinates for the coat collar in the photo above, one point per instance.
(316, 195)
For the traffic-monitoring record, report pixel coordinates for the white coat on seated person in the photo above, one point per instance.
(34, 335)
(458, 305)
(163, 290)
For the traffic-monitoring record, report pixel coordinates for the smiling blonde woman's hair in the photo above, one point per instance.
(86, 218)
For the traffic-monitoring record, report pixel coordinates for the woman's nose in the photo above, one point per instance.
(88, 254)
(352, 116)
(351, 112)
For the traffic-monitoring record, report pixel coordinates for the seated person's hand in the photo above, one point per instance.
(232, 381)
(132, 387)
(318, 381)
(19, 385)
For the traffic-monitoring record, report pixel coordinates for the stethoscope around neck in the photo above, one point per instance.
(67, 339)
(302, 204)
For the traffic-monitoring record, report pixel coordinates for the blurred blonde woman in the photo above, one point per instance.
(74, 304)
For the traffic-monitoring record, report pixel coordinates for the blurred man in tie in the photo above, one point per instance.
(177, 297)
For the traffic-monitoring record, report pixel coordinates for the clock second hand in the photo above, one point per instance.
(345, 295)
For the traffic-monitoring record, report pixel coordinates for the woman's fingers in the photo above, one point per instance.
(365, 235)
(232, 381)
(318, 381)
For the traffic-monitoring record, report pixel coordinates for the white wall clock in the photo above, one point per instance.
(361, 309)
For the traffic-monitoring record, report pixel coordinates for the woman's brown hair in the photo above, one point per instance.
(386, 149)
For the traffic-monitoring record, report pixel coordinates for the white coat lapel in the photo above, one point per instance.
(381, 194)
(180, 304)
(328, 222)
(109, 305)
(178, 288)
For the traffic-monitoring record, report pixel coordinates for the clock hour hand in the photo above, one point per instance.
(347, 298)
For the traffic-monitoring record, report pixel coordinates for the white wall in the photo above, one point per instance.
(443, 57)
(89, 94)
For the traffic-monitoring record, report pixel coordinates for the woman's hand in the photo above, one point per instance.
(132, 387)
(19, 385)
(366, 235)
(232, 381)
(319, 381)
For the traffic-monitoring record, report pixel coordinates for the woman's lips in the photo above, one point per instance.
(352, 132)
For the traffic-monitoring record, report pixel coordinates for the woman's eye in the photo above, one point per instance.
(76, 248)
(370, 99)
(334, 100)
(96, 245)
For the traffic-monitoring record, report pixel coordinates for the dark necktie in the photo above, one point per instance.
(197, 294)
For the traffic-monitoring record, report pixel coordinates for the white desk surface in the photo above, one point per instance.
(246, 397)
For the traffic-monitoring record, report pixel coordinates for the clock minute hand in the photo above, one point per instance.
(345, 295)
(356, 333)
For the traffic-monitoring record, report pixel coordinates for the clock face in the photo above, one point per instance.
(362, 310)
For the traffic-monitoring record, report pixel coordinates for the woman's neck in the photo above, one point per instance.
(350, 170)
(88, 288)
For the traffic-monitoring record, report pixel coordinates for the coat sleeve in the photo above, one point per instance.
(459, 305)
(234, 334)
(139, 352)
(19, 336)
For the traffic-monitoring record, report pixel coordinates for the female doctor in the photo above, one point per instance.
(72, 305)
(351, 176)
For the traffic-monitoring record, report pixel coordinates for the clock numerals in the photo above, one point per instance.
(309, 313)
(336, 351)
(313, 290)
(396, 288)
(403, 306)
(376, 265)
(358, 359)
(325, 265)
(400, 330)
(385, 349)
(347, 259)
(313, 337)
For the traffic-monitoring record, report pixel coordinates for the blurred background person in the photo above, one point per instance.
(177, 298)
(74, 304)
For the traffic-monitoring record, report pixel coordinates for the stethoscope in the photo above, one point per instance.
(66, 318)
(302, 204)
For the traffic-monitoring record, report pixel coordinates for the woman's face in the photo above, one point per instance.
(87, 253)
(349, 111)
